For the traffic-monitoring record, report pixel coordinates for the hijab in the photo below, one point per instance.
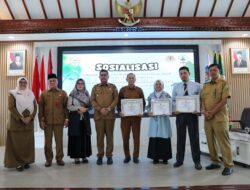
(83, 95)
(24, 98)
(158, 93)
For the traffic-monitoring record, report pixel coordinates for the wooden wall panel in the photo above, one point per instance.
(111, 25)
(239, 83)
(9, 82)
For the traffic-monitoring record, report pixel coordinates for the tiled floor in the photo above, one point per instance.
(119, 175)
(214, 187)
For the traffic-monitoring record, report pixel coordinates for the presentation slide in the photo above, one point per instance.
(148, 66)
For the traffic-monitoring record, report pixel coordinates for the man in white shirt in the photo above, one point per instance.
(186, 120)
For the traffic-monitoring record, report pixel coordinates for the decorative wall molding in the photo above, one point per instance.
(112, 25)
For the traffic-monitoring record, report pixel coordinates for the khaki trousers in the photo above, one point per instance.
(104, 127)
(128, 123)
(57, 131)
(218, 131)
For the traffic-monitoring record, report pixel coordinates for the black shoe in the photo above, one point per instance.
(165, 161)
(227, 171)
(19, 168)
(213, 166)
(126, 160)
(77, 161)
(198, 166)
(85, 160)
(26, 166)
(136, 160)
(60, 162)
(177, 164)
(48, 163)
(110, 161)
(156, 161)
(99, 161)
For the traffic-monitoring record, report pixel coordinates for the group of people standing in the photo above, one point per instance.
(57, 110)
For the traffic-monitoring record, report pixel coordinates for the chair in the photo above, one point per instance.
(245, 118)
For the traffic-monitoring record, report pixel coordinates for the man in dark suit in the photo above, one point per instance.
(239, 62)
(16, 64)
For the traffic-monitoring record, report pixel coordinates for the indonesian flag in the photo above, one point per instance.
(35, 80)
(50, 67)
(42, 75)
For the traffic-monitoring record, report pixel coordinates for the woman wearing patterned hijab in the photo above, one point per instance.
(79, 131)
(20, 148)
(159, 133)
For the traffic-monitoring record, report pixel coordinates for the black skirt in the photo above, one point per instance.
(80, 146)
(159, 148)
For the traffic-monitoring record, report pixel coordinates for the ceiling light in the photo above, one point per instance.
(11, 37)
(244, 35)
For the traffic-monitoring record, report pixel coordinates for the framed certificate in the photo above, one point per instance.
(132, 107)
(188, 104)
(161, 107)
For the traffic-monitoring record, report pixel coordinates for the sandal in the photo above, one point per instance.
(19, 168)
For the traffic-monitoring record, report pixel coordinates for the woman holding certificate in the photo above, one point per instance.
(159, 133)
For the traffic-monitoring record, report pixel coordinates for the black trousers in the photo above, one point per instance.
(188, 121)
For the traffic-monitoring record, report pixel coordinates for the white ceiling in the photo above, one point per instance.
(154, 8)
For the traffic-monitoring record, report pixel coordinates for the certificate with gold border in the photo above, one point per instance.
(188, 104)
(132, 107)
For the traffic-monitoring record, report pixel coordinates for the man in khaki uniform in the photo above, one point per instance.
(104, 97)
(214, 99)
(53, 115)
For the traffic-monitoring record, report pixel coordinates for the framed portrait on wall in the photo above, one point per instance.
(16, 62)
(240, 60)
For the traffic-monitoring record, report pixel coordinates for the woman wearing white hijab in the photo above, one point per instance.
(159, 133)
(20, 149)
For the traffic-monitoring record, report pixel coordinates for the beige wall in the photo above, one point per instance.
(9, 82)
(240, 83)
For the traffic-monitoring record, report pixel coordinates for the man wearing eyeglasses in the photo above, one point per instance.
(128, 123)
(104, 97)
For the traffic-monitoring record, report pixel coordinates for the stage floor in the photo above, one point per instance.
(142, 176)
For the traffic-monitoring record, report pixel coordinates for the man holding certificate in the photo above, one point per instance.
(104, 98)
(214, 99)
(131, 106)
(186, 117)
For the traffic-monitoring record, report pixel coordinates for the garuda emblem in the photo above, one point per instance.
(128, 12)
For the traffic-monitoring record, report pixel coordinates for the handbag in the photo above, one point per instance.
(74, 121)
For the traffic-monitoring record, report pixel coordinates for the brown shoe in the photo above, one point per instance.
(47, 163)
(60, 162)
